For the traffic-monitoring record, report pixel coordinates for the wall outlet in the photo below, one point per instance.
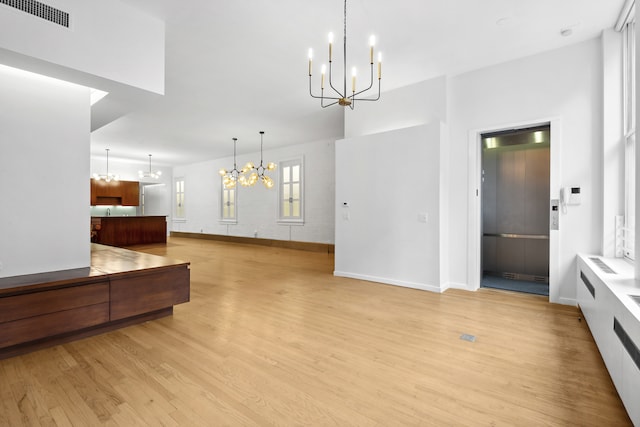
(255, 233)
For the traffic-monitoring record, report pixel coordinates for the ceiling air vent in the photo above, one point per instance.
(40, 10)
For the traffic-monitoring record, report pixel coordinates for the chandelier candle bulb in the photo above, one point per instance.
(379, 65)
(330, 45)
(310, 59)
(353, 79)
(372, 42)
(324, 70)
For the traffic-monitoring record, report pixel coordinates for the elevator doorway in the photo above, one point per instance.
(515, 206)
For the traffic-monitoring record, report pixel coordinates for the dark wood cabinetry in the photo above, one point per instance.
(134, 295)
(41, 314)
(115, 193)
(129, 230)
(122, 287)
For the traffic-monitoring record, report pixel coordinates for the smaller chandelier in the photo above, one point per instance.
(258, 173)
(249, 175)
(150, 174)
(230, 178)
(340, 95)
(108, 176)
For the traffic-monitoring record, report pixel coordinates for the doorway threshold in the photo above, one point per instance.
(524, 286)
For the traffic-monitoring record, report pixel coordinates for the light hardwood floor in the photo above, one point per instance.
(270, 337)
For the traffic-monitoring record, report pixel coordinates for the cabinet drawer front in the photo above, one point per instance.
(47, 325)
(139, 294)
(39, 303)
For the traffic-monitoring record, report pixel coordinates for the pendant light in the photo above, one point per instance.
(230, 178)
(258, 173)
(340, 95)
(249, 175)
(108, 176)
(150, 174)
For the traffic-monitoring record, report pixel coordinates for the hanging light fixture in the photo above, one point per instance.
(109, 176)
(343, 97)
(150, 174)
(261, 169)
(230, 178)
(249, 175)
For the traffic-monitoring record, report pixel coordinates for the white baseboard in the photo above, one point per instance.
(388, 281)
(453, 285)
(568, 301)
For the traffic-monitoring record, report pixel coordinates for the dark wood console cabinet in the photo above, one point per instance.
(121, 287)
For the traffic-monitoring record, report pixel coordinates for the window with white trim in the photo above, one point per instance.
(291, 192)
(179, 208)
(629, 113)
(228, 205)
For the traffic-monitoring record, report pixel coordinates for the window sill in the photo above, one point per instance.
(291, 222)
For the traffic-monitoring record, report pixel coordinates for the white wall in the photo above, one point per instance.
(257, 206)
(128, 171)
(44, 147)
(564, 83)
(404, 107)
(388, 207)
(108, 39)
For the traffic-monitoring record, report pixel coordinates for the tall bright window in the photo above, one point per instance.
(629, 111)
(291, 191)
(179, 198)
(228, 199)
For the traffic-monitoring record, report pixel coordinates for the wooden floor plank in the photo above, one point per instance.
(271, 337)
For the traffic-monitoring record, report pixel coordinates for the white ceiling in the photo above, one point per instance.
(234, 68)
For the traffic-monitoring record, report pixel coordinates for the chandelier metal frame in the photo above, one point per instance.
(342, 98)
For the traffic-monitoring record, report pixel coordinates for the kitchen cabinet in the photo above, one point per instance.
(115, 193)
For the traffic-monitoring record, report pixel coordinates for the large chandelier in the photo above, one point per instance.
(343, 97)
(108, 176)
(249, 175)
(150, 174)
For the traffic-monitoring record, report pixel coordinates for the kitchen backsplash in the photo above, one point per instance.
(114, 210)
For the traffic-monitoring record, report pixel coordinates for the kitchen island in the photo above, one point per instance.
(128, 230)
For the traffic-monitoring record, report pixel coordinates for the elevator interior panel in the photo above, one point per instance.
(515, 204)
